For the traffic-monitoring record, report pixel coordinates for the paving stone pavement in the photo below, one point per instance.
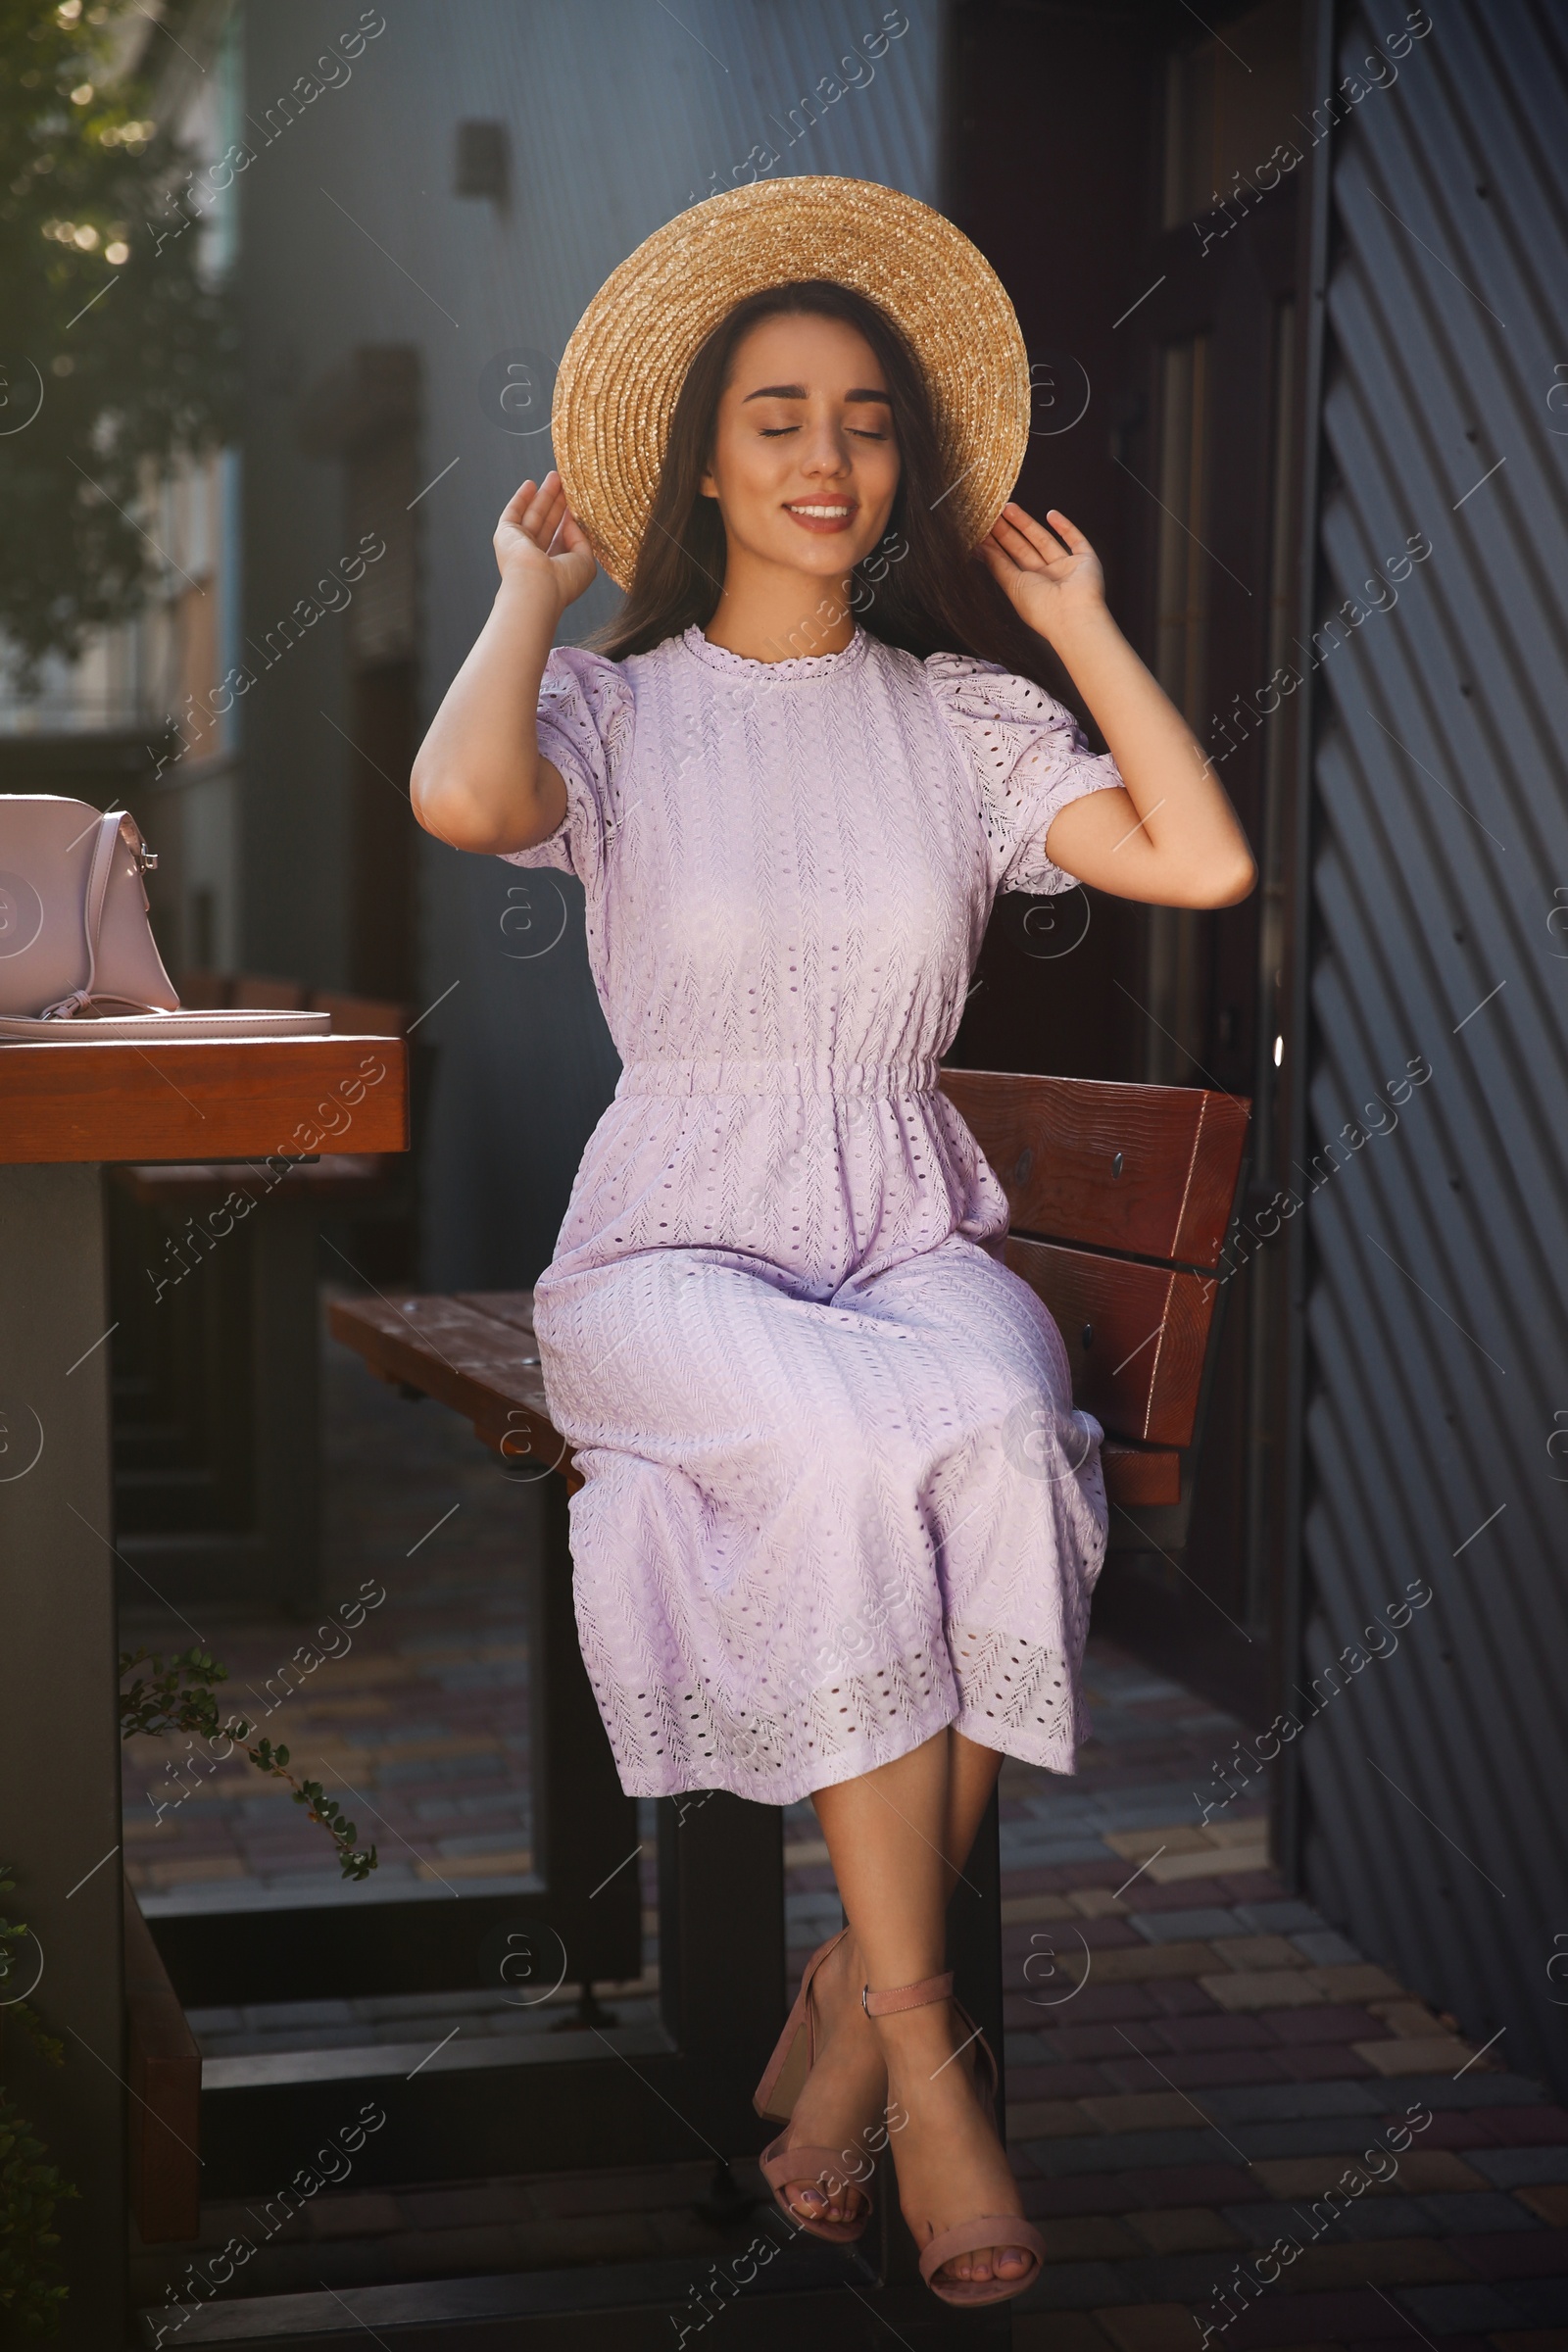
(420, 1725)
(1232, 2128)
(1204, 2075)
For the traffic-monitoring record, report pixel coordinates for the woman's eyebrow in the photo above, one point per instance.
(799, 392)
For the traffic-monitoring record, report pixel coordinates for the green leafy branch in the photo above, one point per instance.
(91, 213)
(11, 1932)
(319, 1808)
(29, 2191)
(178, 1696)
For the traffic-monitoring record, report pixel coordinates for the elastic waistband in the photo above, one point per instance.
(721, 1075)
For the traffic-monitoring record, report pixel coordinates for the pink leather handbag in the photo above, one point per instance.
(74, 929)
(77, 957)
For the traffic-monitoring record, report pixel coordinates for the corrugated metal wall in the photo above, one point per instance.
(1437, 1411)
(620, 114)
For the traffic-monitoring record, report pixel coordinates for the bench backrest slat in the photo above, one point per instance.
(1125, 1174)
(1135, 1336)
(1054, 1142)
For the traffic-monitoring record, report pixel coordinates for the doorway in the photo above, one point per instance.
(1162, 247)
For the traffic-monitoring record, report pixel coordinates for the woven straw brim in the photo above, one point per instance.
(622, 370)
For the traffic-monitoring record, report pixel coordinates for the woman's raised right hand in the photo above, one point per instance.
(539, 538)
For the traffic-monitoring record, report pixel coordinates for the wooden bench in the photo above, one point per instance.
(1120, 1198)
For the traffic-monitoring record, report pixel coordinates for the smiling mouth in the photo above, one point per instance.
(822, 514)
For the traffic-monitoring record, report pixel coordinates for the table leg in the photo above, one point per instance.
(285, 1386)
(59, 1732)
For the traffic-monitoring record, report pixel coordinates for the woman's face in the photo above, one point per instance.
(804, 466)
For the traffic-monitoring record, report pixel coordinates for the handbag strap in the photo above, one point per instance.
(92, 919)
(103, 862)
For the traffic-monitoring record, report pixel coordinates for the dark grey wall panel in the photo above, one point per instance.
(1437, 1781)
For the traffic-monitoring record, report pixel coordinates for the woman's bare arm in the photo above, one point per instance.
(1172, 837)
(478, 782)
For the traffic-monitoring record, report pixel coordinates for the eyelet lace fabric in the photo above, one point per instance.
(836, 1491)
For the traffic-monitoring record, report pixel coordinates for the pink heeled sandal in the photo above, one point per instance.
(988, 2229)
(781, 2165)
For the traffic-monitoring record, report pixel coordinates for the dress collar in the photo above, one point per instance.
(808, 665)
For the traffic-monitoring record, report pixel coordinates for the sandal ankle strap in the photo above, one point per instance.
(907, 1996)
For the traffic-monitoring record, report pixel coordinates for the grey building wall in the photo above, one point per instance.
(618, 115)
(1436, 1414)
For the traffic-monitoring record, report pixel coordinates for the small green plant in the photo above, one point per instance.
(29, 2191)
(30, 2188)
(178, 1696)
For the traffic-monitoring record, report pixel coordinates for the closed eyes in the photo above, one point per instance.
(861, 432)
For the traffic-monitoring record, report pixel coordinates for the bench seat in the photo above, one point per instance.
(474, 1352)
(1119, 1199)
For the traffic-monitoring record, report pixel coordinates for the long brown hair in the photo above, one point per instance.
(926, 590)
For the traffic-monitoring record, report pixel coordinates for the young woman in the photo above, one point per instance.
(841, 1522)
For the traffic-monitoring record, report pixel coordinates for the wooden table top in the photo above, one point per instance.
(197, 1099)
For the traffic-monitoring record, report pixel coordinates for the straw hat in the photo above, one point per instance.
(627, 358)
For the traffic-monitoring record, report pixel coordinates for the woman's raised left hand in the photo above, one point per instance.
(1054, 586)
(1169, 835)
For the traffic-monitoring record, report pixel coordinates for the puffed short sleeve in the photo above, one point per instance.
(583, 727)
(1029, 757)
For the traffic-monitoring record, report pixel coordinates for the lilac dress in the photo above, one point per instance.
(836, 1494)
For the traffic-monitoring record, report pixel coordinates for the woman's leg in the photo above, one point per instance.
(842, 2101)
(894, 1835)
(972, 1773)
(849, 2085)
